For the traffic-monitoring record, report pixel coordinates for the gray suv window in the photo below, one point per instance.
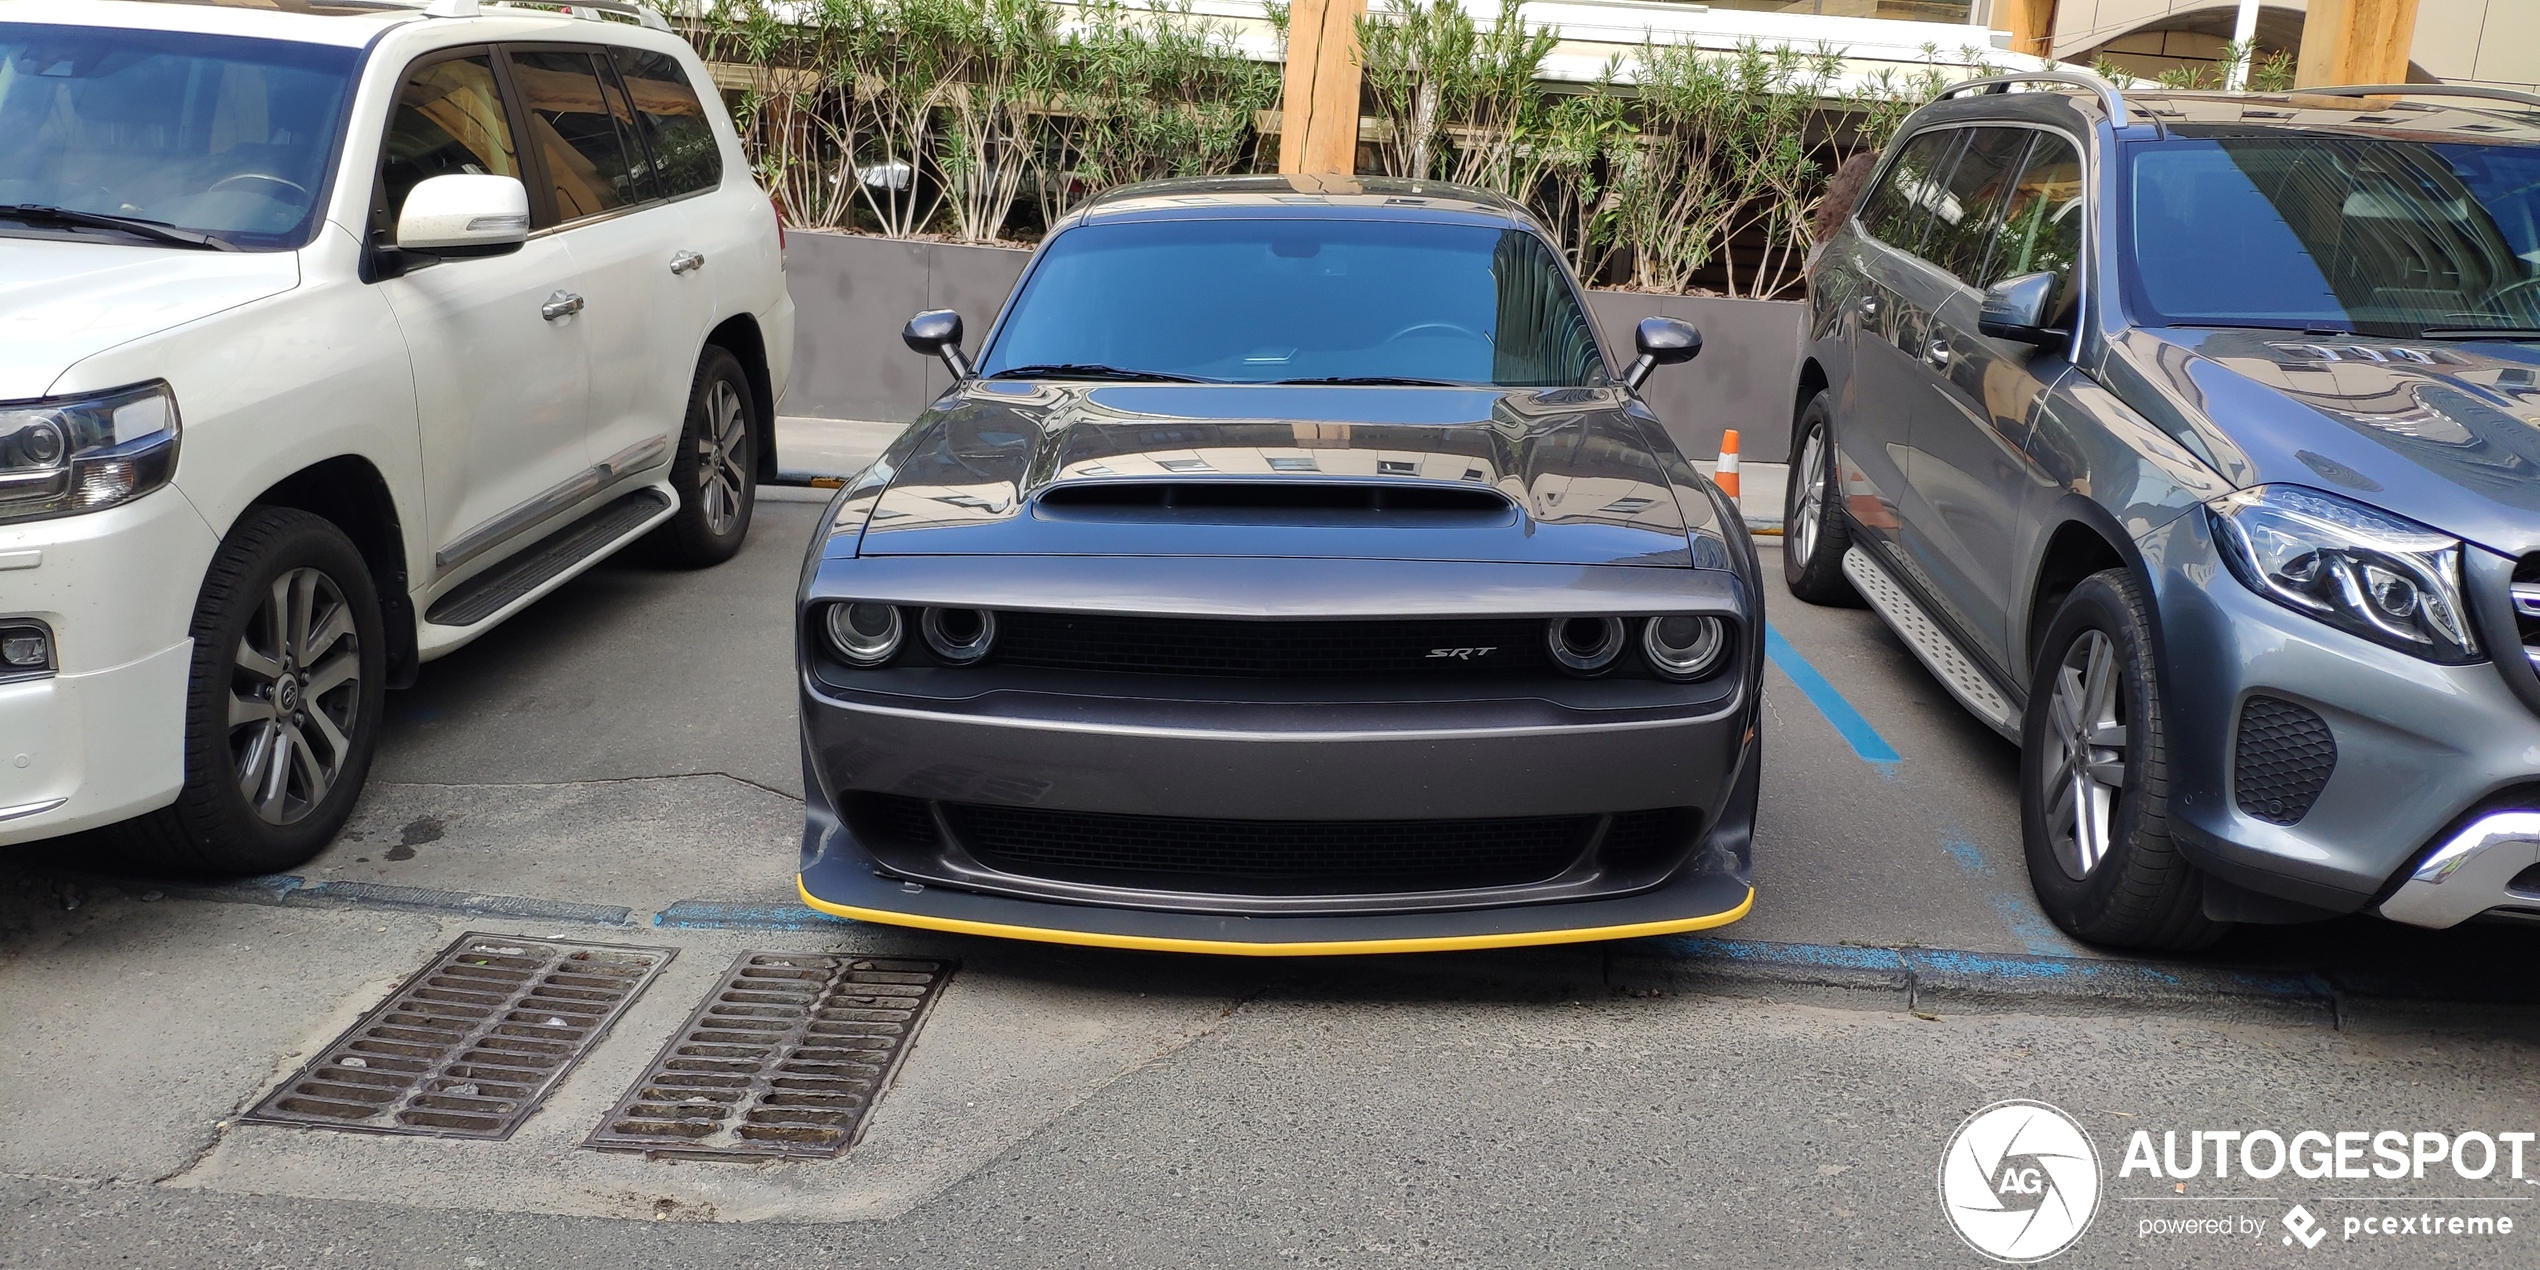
(2041, 225)
(1896, 211)
(1969, 209)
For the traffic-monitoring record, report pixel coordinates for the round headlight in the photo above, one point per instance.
(1683, 647)
(960, 636)
(1585, 645)
(863, 633)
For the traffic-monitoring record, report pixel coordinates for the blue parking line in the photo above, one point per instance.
(1848, 723)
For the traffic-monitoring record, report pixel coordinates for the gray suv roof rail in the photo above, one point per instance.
(2108, 94)
(2419, 90)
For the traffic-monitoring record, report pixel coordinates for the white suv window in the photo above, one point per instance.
(583, 132)
(213, 134)
(449, 119)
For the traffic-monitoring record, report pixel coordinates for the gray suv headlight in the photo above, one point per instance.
(67, 455)
(2391, 581)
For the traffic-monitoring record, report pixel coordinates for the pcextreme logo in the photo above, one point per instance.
(2020, 1181)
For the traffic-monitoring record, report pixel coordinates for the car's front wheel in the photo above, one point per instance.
(283, 705)
(1814, 536)
(715, 468)
(2094, 780)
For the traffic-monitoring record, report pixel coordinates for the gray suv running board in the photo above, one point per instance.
(1931, 643)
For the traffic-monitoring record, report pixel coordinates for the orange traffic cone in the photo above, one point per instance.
(1725, 475)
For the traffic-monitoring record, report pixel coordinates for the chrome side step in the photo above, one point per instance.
(490, 592)
(1932, 645)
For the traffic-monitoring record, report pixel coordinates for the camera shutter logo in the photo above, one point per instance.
(2020, 1181)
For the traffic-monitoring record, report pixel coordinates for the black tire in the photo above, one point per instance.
(322, 731)
(715, 468)
(2134, 889)
(1814, 533)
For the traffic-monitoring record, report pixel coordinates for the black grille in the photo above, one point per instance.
(2283, 759)
(1206, 646)
(2525, 599)
(890, 818)
(1315, 855)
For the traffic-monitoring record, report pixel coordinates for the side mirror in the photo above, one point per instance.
(1662, 341)
(464, 215)
(2015, 309)
(938, 331)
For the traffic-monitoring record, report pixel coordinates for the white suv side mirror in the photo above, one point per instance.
(464, 214)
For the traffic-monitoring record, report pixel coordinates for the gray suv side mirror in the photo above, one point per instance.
(1662, 341)
(2015, 309)
(938, 331)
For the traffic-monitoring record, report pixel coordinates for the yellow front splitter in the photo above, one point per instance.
(1085, 935)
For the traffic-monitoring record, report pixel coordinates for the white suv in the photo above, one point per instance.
(333, 333)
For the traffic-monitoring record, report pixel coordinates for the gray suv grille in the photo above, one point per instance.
(2526, 598)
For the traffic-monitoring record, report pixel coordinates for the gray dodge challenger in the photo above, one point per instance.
(1291, 572)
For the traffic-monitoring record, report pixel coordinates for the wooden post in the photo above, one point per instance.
(1318, 95)
(2356, 42)
(2032, 26)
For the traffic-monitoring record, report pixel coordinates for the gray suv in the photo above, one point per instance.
(2193, 441)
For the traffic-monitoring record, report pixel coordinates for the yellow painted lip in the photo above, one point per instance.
(1301, 948)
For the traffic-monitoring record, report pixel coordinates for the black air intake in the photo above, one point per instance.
(2282, 760)
(1304, 856)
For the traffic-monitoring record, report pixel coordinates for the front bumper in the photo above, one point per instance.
(102, 738)
(1386, 760)
(2417, 745)
(841, 879)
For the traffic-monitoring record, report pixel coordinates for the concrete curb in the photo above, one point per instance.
(1925, 981)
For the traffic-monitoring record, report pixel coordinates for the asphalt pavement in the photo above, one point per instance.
(619, 765)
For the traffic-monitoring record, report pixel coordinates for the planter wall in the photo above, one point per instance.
(853, 292)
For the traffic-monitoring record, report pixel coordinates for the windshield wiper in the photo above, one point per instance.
(161, 231)
(1372, 381)
(1091, 370)
(2479, 333)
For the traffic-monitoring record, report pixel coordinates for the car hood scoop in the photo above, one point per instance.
(1551, 475)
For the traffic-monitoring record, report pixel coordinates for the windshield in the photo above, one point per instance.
(1302, 299)
(2383, 237)
(224, 136)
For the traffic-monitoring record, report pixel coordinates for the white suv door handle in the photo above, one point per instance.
(1937, 354)
(561, 304)
(687, 262)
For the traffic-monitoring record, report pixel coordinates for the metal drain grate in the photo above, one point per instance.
(786, 1058)
(469, 1046)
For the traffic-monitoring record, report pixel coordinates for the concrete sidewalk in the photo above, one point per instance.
(812, 450)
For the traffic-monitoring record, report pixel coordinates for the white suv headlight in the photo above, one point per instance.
(66, 455)
(2391, 581)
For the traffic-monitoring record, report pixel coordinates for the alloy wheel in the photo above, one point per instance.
(2088, 736)
(295, 696)
(1812, 496)
(719, 477)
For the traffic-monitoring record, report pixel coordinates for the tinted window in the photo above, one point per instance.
(577, 138)
(1897, 210)
(1256, 301)
(230, 137)
(1969, 208)
(675, 128)
(2041, 225)
(2349, 233)
(448, 120)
